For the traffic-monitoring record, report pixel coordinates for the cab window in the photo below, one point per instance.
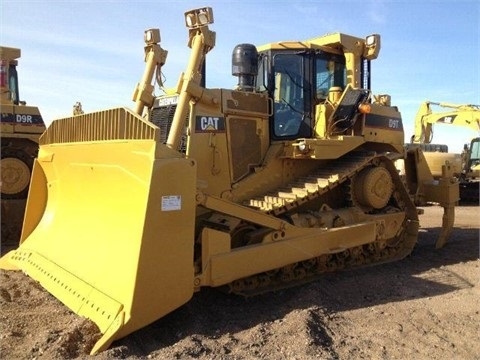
(330, 72)
(289, 94)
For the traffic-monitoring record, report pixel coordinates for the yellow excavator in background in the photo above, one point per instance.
(466, 164)
(286, 177)
(470, 177)
(21, 127)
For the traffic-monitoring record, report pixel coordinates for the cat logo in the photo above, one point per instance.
(447, 119)
(209, 124)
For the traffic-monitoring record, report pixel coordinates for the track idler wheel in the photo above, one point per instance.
(373, 187)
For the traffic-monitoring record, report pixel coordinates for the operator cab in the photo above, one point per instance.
(296, 81)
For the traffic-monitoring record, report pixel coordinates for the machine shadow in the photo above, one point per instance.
(422, 274)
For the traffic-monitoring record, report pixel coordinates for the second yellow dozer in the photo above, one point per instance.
(271, 184)
(20, 128)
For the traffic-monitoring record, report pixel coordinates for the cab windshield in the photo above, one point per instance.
(475, 150)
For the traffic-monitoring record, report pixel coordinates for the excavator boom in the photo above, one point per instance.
(457, 115)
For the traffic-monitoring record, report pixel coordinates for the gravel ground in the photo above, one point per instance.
(423, 307)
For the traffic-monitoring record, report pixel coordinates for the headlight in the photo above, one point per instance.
(198, 17)
(152, 36)
(370, 40)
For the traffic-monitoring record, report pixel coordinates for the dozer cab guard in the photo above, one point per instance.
(128, 216)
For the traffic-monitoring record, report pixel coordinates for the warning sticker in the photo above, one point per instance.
(171, 203)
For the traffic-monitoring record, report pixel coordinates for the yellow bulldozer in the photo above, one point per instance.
(268, 185)
(465, 165)
(21, 127)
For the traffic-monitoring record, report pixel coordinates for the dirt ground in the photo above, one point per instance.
(423, 307)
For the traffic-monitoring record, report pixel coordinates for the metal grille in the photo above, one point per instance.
(162, 117)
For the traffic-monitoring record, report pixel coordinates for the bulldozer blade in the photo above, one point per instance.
(109, 224)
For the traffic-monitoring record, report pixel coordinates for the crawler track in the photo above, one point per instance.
(319, 188)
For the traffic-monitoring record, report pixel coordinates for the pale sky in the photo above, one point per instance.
(92, 51)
